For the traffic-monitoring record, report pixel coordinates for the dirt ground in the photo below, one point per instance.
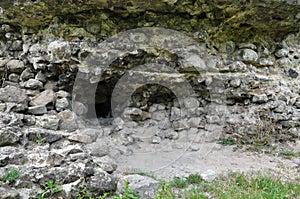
(210, 161)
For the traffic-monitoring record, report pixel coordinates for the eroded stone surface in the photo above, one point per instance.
(238, 81)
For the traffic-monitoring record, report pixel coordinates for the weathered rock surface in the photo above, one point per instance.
(194, 72)
(143, 186)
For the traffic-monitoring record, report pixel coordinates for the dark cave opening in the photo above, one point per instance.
(143, 98)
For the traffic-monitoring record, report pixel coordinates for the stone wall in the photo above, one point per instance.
(61, 66)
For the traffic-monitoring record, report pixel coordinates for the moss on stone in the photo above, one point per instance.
(224, 20)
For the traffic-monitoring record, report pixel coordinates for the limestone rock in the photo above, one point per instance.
(37, 110)
(62, 94)
(15, 95)
(15, 66)
(249, 55)
(48, 122)
(33, 84)
(143, 186)
(282, 52)
(99, 148)
(9, 192)
(68, 120)
(8, 137)
(260, 98)
(61, 104)
(101, 182)
(106, 163)
(79, 108)
(43, 99)
(58, 51)
(13, 77)
(26, 74)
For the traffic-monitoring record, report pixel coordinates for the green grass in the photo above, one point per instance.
(10, 176)
(194, 179)
(128, 193)
(50, 188)
(179, 183)
(241, 186)
(289, 154)
(194, 193)
(232, 186)
(39, 139)
(165, 191)
(227, 141)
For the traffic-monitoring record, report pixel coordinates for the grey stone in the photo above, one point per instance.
(265, 62)
(235, 82)
(62, 94)
(13, 77)
(56, 160)
(282, 52)
(11, 155)
(213, 119)
(124, 138)
(3, 107)
(175, 114)
(48, 121)
(156, 140)
(209, 175)
(50, 85)
(58, 51)
(33, 84)
(292, 73)
(284, 61)
(61, 104)
(8, 192)
(156, 107)
(87, 135)
(68, 120)
(26, 74)
(8, 137)
(180, 124)
(106, 163)
(249, 55)
(82, 138)
(44, 98)
(262, 98)
(50, 136)
(15, 95)
(143, 186)
(3, 62)
(41, 76)
(118, 123)
(247, 45)
(237, 66)
(101, 182)
(158, 115)
(191, 103)
(79, 108)
(99, 148)
(195, 122)
(37, 110)
(132, 113)
(15, 66)
(194, 147)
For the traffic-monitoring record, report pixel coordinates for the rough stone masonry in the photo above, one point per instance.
(248, 94)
